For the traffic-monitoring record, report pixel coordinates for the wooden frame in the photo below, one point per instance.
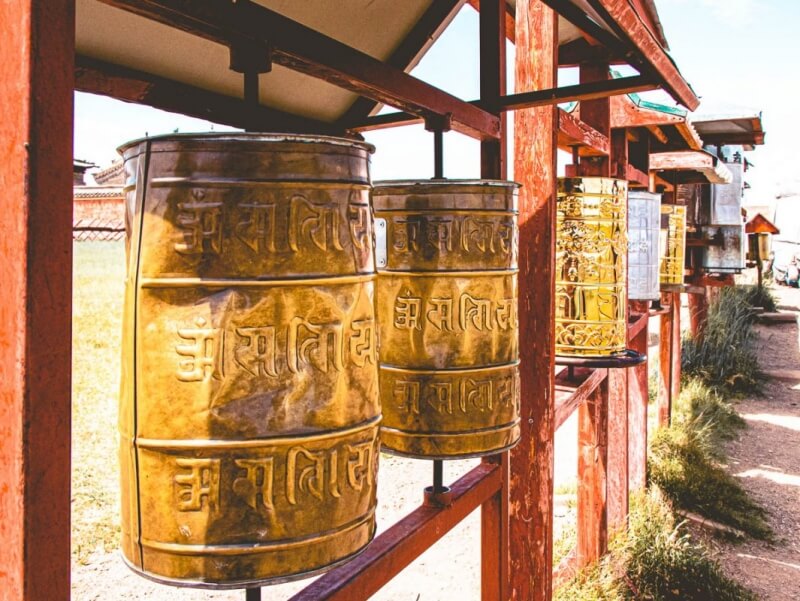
(515, 491)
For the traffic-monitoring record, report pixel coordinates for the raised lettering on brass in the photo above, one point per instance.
(201, 483)
(314, 223)
(202, 225)
(255, 486)
(202, 354)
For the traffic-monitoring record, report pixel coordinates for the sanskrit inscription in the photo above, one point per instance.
(466, 311)
(267, 351)
(205, 225)
(452, 234)
(457, 395)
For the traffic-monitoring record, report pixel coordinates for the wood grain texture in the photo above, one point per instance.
(37, 48)
(571, 393)
(637, 401)
(574, 132)
(535, 132)
(665, 361)
(592, 485)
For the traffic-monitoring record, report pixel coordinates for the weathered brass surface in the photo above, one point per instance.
(672, 244)
(249, 409)
(591, 260)
(644, 219)
(447, 316)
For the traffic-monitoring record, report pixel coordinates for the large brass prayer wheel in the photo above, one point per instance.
(591, 260)
(249, 409)
(672, 244)
(447, 316)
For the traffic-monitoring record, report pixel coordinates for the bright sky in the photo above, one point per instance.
(738, 55)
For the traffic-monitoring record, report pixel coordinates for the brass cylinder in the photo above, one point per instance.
(447, 317)
(672, 244)
(249, 409)
(591, 260)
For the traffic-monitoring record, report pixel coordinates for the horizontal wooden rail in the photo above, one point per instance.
(245, 24)
(401, 544)
(571, 392)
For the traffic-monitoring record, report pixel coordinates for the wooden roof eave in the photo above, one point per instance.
(629, 24)
(689, 165)
(760, 225)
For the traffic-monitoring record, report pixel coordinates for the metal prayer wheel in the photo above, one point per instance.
(446, 252)
(758, 246)
(727, 252)
(591, 258)
(644, 211)
(249, 409)
(672, 244)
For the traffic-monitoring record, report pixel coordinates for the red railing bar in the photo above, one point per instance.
(406, 540)
(570, 393)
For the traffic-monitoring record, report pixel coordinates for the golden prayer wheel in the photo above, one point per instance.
(249, 408)
(447, 315)
(758, 246)
(591, 260)
(672, 244)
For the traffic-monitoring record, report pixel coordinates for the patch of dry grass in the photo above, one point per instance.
(96, 339)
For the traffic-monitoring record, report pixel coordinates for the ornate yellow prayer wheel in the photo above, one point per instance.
(591, 260)
(672, 245)
(447, 315)
(249, 409)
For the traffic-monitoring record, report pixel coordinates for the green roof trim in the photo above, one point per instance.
(646, 104)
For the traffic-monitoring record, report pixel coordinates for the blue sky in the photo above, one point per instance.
(737, 54)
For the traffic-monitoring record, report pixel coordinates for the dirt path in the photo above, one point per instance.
(767, 459)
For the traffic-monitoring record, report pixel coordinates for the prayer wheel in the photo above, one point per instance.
(591, 258)
(447, 316)
(727, 253)
(758, 246)
(249, 408)
(643, 232)
(672, 243)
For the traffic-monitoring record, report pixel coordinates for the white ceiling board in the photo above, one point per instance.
(123, 38)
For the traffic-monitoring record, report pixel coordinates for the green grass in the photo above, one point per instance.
(654, 560)
(724, 356)
(685, 461)
(760, 297)
(97, 328)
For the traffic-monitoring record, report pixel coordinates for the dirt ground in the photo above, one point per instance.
(766, 457)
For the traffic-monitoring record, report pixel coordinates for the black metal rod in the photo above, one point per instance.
(438, 154)
(252, 594)
(251, 87)
(438, 475)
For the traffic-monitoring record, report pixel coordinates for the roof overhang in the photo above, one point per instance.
(720, 130)
(691, 167)
(760, 225)
(325, 56)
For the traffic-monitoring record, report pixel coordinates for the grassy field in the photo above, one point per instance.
(97, 328)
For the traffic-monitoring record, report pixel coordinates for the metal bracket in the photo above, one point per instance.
(381, 250)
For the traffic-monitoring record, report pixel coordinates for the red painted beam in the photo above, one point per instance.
(401, 544)
(571, 393)
(36, 47)
(574, 132)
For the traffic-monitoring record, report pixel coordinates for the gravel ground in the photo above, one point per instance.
(767, 459)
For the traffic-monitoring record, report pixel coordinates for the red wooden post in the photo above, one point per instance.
(535, 131)
(494, 512)
(675, 347)
(669, 367)
(637, 405)
(592, 482)
(36, 73)
(617, 472)
(698, 313)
